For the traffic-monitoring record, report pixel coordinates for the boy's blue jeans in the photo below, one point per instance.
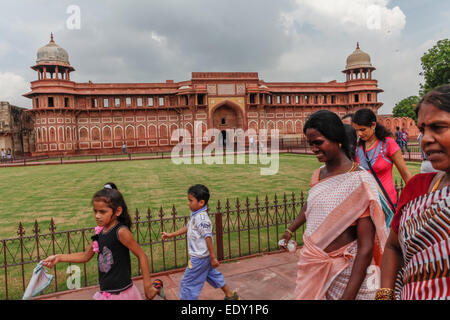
(197, 272)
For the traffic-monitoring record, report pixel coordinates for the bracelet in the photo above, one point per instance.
(385, 294)
(289, 231)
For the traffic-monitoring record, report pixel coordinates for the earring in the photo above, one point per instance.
(340, 145)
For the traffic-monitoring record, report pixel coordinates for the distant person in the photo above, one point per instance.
(377, 152)
(124, 148)
(3, 155)
(415, 264)
(202, 258)
(399, 139)
(426, 166)
(9, 155)
(405, 139)
(252, 143)
(345, 226)
(347, 119)
(113, 243)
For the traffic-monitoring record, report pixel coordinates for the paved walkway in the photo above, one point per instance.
(266, 277)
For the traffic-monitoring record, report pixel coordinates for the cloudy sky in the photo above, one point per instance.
(282, 40)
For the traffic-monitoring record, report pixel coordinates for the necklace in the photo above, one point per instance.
(368, 146)
(353, 167)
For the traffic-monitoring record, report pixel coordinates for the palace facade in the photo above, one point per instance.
(98, 118)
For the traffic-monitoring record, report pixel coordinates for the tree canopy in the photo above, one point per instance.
(405, 108)
(436, 66)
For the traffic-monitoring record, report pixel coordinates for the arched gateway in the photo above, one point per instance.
(227, 115)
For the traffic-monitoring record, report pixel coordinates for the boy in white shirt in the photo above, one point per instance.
(202, 258)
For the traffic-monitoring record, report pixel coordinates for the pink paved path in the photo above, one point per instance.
(266, 277)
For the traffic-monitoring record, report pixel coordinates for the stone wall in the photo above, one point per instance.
(16, 130)
(391, 123)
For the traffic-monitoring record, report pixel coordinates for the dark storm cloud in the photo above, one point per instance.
(282, 40)
(152, 41)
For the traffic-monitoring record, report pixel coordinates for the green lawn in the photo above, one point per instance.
(63, 192)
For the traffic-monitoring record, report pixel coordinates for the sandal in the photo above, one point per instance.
(158, 285)
(233, 297)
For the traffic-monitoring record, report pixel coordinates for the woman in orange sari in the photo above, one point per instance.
(345, 228)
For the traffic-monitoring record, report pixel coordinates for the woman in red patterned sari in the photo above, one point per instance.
(416, 258)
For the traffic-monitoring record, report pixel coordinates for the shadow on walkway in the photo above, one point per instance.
(266, 277)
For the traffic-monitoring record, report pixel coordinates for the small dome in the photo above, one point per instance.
(52, 53)
(358, 59)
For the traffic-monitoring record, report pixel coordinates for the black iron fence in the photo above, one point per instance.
(241, 229)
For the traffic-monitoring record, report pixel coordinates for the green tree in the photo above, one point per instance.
(405, 108)
(436, 66)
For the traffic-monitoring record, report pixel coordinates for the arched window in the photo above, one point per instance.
(84, 134)
(107, 133)
(95, 134)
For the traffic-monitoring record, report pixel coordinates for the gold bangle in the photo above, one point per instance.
(385, 294)
(289, 231)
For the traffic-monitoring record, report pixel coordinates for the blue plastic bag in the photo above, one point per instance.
(40, 280)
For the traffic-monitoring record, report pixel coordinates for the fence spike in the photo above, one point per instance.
(52, 226)
(36, 229)
(174, 210)
(21, 230)
(218, 208)
(161, 212)
(136, 216)
(149, 214)
(247, 204)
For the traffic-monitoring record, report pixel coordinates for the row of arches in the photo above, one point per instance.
(162, 131)
(283, 126)
(109, 133)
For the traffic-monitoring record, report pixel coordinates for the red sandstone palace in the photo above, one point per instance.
(79, 118)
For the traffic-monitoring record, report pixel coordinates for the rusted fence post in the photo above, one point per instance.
(6, 268)
(21, 233)
(219, 232)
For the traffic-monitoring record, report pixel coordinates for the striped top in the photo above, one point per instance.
(424, 236)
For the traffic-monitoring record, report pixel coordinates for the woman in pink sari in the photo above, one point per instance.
(345, 226)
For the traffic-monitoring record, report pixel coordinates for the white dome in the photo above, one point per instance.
(358, 59)
(52, 53)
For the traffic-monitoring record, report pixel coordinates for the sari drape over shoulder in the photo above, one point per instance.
(333, 205)
(422, 222)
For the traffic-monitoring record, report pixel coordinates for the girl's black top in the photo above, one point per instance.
(114, 266)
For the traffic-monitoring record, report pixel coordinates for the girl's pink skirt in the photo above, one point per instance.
(131, 293)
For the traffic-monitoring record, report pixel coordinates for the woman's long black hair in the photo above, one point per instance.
(331, 127)
(365, 117)
(114, 199)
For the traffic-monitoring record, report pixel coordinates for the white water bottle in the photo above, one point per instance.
(291, 245)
